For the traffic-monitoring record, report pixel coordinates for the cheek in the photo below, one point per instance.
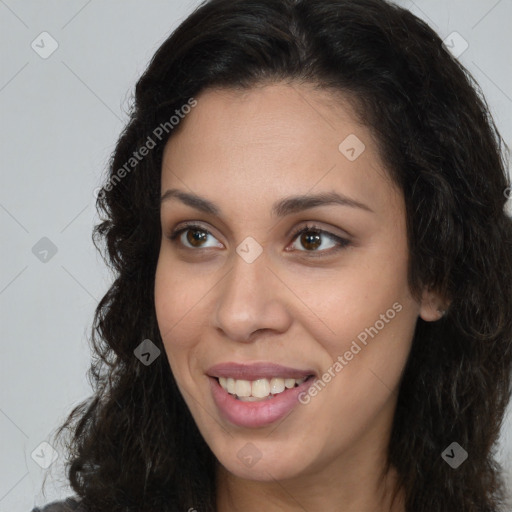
(358, 295)
(182, 306)
(366, 331)
(172, 301)
(371, 318)
(178, 298)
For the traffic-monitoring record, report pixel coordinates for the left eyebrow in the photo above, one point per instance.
(281, 208)
(295, 204)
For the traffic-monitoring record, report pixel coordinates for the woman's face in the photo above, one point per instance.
(240, 291)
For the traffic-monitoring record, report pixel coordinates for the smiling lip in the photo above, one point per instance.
(254, 371)
(260, 413)
(255, 414)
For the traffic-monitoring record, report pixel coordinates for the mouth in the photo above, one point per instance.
(253, 395)
(260, 389)
(257, 395)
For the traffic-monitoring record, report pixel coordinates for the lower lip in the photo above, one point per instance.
(256, 414)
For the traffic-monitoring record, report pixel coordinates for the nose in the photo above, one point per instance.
(251, 299)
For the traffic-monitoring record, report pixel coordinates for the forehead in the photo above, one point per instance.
(272, 141)
(270, 114)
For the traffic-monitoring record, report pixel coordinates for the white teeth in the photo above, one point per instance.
(242, 388)
(260, 388)
(230, 386)
(277, 386)
(289, 383)
(251, 391)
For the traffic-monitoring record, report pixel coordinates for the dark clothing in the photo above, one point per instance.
(68, 505)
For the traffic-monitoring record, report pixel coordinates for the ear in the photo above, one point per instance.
(433, 306)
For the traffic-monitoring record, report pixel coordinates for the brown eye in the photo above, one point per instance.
(315, 240)
(311, 240)
(196, 237)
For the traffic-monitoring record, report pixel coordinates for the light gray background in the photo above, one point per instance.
(60, 118)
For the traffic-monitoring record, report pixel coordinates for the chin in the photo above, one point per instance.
(262, 460)
(263, 470)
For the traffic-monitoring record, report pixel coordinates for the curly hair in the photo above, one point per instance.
(133, 445)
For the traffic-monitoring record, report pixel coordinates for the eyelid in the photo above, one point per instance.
(341, 241)
(315, 226)
(189, 225)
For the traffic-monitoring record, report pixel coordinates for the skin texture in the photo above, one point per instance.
(243, 151)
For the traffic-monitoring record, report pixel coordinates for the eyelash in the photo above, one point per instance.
(342, 243)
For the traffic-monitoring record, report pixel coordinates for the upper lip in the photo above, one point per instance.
(255, 371)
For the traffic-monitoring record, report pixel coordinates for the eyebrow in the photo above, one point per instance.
(281, 208)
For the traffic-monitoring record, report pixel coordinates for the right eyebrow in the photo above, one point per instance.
(192, 200)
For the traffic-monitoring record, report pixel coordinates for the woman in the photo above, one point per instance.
(312, 308)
